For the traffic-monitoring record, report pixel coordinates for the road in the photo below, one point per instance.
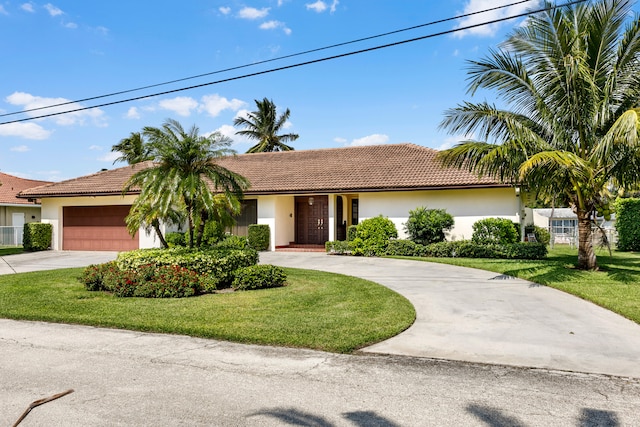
(124, 378)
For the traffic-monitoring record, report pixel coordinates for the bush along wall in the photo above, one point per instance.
(628, 224)
(468, 249)
(37, 236)
(259, 236)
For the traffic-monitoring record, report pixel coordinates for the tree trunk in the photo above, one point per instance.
(204, 217)
(156, 226)
(586, 255)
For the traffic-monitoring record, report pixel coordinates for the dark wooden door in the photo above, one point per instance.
(312, 220)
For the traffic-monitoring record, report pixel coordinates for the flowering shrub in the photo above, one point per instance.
(259, 277)
(217, 266)
(148, 281)
(99, 277)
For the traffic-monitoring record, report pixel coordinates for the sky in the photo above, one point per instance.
(68, 50)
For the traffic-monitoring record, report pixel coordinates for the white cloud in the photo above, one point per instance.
(489, 30)
(28, 102)
(27, 7)
(215, 104)
(225, 130)
(319, 6)
(20, 148)
(95, 148)
(454, 140)
(273, 25)
(109, 157)
(104, 31)
(181, 105)
(224, 10)
(374, 139)
(25, 130)
(71, 25)
(53, 11)
(334, 5)
(132, 113)
(3, 11)
(253, 13)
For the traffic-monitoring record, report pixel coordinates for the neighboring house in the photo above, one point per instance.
(14, 211)
(562, 223)
(306, 197)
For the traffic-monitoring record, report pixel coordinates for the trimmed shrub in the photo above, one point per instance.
(373, 235)
(426, 226)
(469, 249)
(175, 238)
(403, 247)
(37, 236)
(259, 236)
(217, 266)
(337, 247)
(499, 231)
(232, 242)
(351, 232)
(542, 236)
(628, 224)
(259, 277)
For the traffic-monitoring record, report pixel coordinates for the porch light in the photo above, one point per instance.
(310, 201)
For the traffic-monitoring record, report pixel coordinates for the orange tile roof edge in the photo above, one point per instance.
(391, 167)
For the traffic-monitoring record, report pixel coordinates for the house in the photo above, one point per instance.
(15, 211)
(306, 197)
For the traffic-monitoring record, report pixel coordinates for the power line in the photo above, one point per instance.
(440, 21)
(300, 64)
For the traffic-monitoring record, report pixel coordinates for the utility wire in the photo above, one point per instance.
(300, 64)
(440, 21)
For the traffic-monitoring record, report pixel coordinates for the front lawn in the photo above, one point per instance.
(615, 287)
(316, 310)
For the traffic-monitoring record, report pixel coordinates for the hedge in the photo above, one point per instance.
(628, 224)
(216, 265)
(259, 236)
(37, 236)
(468, 249)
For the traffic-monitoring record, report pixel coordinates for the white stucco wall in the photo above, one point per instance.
(278, 210)
(466, 206)
(51, 212)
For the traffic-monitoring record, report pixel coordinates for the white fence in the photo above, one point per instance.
(11, 236)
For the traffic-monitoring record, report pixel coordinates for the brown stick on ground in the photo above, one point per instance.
(40, 402)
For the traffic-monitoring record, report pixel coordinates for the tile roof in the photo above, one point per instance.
(12, 185)
(367, 168)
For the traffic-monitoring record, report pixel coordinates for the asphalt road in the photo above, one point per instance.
(123, 378)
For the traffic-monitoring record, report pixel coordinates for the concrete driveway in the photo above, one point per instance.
(462, 314)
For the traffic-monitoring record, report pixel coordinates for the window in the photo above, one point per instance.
(564, 226)
(248, 215)
(354, 211)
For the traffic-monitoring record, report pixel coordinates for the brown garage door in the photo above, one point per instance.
(96, 228)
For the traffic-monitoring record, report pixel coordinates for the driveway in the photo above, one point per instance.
(477, 316)
(462, 314)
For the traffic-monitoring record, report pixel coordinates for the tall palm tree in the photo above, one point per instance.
(571, 131)
(133, 149)
(264, 126)
(185, 174)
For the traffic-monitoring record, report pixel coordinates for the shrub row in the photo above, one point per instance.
(462, 249)
(468, 249)
(259, 277)
(217, 266)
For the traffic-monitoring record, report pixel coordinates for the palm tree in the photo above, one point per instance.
(144, 214)
(263, 126)
(185, 175)
(133, 149)
(571, 79)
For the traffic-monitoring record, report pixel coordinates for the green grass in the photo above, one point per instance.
(10, 250)
(316, 310)
(615, 287)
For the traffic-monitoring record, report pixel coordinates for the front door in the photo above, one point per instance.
(312, 220)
